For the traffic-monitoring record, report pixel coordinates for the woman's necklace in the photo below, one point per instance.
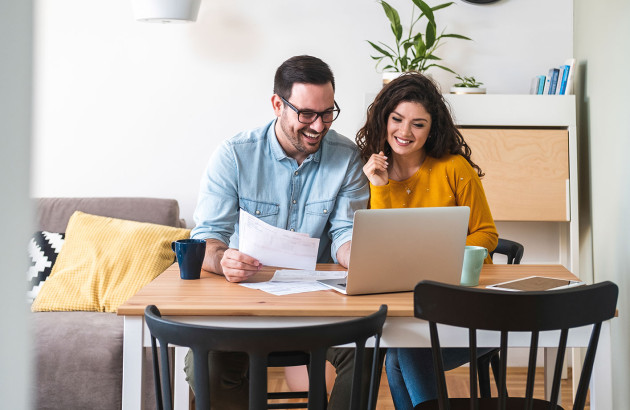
(409, 190)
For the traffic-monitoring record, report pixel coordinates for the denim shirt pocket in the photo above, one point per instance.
(265, 211)
(321, 208)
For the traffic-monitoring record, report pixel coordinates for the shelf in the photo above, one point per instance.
(513, 110)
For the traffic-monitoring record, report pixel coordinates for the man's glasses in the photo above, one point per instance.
(309, 117)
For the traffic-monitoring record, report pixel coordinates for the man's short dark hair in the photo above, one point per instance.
(301, 69)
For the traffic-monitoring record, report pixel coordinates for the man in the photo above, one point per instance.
(294, 173)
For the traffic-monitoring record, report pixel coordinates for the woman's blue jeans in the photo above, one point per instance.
(411, 376)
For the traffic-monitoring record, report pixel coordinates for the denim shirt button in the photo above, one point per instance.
(294, 201)
(296, 173)
(292, 230)
(325, 211)
(257, 212)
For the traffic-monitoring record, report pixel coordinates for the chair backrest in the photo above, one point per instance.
(513, 251)
(258, 343)
(506, 312)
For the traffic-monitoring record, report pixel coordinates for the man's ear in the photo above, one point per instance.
(277, 104)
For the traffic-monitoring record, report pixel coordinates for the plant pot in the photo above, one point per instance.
(468, 90)
(387, 77)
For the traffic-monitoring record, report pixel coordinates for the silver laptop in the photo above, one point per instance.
(394, 249)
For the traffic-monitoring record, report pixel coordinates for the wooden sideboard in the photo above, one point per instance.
(527, 147)
(526, 171)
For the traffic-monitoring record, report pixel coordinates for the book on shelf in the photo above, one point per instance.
(541, 84)
(570, 76)
(562, 80)
(553, 81)
(533, 88)
(558, 81)
(547, 83)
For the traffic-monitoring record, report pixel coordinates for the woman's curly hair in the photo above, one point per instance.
(444, 137)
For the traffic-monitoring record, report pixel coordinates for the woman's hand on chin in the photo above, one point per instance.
(376, 169)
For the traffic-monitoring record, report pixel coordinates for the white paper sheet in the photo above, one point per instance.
(286, 288)
(287, 275)
(274, 246)
(287, 282)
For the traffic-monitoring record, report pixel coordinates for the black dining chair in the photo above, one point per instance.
(259, 343)
(535, 312)
(514, 252)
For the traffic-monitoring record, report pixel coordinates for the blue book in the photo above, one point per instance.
(541, 84)
(553, 80)
(563, 82)
(560, 75)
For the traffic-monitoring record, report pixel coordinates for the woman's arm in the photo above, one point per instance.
(481, 228)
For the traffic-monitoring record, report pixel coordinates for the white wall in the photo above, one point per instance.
(601, 46)
(15, 218)
(125, 108)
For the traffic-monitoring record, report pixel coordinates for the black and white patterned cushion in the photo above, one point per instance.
(43, 249)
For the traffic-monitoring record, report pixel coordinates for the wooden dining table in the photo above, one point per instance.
(214, 301)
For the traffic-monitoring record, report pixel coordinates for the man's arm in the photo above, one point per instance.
(215, 216)
(229, 262)
(353, 195)
(343, 254)
(217, 206)
(214, 253)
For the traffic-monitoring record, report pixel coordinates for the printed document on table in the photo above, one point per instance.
(286, 288)
(274, 246)
(290, 275)
(288, 281)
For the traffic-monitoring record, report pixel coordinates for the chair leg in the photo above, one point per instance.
(490, 359)
(495, 362)
(378, 374)
(483, 371)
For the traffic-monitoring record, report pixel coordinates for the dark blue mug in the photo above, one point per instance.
(189, 253)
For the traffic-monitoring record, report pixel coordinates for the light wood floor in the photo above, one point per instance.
(457, 381)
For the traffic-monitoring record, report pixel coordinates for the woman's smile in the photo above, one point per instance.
(402, 142)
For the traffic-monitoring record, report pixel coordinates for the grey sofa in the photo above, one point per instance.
(78, 355)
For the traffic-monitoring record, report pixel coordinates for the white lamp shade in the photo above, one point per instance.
(166, 11)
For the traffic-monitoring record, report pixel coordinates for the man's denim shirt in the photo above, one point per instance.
(251, 171)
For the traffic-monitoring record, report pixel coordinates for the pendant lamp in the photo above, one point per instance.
(166, 11)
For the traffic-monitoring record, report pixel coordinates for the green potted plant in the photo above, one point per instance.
(416, 50)
(467, 85)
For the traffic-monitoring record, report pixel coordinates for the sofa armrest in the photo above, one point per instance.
(53, 213)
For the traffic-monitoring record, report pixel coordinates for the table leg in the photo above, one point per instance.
(550, 364)
(577, 359)
(180, 385)
(132, 363)
(601, 379)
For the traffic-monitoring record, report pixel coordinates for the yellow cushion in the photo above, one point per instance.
(105, 261)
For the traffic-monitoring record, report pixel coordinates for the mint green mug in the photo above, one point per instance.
(473, 261)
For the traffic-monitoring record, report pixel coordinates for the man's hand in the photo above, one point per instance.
(229, 262)
(238, 266)
(343, 254)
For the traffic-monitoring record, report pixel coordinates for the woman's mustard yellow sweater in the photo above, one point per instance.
(446, 181)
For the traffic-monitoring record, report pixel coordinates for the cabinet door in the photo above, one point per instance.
(527, 172)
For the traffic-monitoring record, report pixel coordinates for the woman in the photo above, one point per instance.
(416, 157)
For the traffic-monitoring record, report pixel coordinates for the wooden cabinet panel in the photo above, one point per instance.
(527, 172)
